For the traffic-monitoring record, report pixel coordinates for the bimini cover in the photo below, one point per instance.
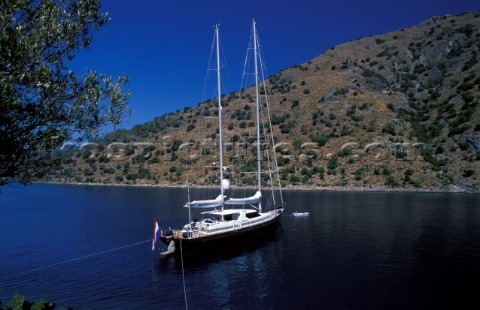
(212, 203)
(245, 201)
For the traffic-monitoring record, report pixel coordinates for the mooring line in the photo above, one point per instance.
(74, 259)
(183, 277)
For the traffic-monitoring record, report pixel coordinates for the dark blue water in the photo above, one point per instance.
(355, 251)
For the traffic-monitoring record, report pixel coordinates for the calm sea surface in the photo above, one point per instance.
(88, 247)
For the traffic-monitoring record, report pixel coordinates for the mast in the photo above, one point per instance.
(219, 110)
(259, 178)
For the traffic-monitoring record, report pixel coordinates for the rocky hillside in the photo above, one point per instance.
(395, 110)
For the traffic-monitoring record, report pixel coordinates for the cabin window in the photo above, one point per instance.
(231, 217)
(252, 215)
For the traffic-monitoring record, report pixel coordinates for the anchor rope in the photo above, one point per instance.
(183, 277)
(74, 259)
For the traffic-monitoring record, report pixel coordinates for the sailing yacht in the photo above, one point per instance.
(229, 220)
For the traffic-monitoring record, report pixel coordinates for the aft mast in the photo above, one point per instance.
(259, 177)
(219, 110)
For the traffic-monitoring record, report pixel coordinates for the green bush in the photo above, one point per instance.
(333, 163)
(389, 128)
(307, 172)
(132, 176)
(287, 128)
(390, 181)
(21, 303)
(294, 179)
(130, 150)
(312, 154)
(276, 120)
(319, 139)
(282, 161)
(345, 152)
(428, 157)
(190, 127)
(358, 174)
(468, 173)
(320, 171)
(340, 91)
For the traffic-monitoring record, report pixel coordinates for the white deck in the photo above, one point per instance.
(236, 219)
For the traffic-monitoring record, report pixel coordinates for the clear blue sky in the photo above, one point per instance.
(164, 46)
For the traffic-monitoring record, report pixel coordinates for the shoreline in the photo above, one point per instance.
(382, 189)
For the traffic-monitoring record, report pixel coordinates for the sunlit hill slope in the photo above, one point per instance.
(399, 110)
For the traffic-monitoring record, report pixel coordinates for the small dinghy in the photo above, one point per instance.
(301, 213)
(170, 250)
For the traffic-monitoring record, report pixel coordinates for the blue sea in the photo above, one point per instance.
(89, 247)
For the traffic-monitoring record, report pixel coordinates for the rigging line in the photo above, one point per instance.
(246, 61)
(211, 67)
(183, 276)
(223, 65)
(74, 259)
(269, 160)
(261, 58)
(271, 136)
(188, 199)
(203, 98)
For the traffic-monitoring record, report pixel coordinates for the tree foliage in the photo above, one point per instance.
(20, 302)
(43, 103)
